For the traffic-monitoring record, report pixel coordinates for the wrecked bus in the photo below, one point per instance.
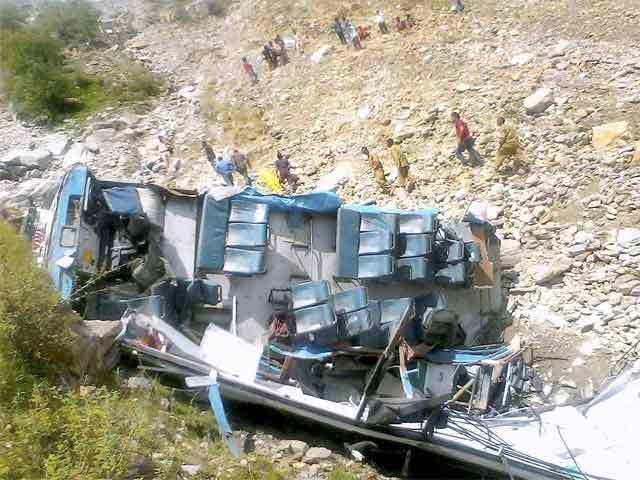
(359, 317)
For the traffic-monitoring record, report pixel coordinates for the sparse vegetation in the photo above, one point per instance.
(72, 22)
(340, 474)
(36, 77)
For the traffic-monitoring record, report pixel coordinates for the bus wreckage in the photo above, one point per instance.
(358, 317)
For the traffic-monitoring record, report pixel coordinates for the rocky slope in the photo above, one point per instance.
(559, 70)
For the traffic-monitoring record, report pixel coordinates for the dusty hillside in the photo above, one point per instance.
(573, 269)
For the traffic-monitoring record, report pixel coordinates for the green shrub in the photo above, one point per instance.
(35, 82)
(138, 84)
(35, 336)
(73, 22)
(12, 17)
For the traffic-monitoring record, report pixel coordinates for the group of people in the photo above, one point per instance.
(231, 161)
(225, 164)
(400, 161)
(274, 53)
(349, 34)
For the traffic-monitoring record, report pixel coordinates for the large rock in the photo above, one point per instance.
(627, 283)
(95, 347)
(628, 237)
(58, 144)
(541, 315)
(539, 101)
(316, 455)
(510, 253)
(552, 271)
(605, 134)
(78, 153)
(560, 48)
(28, 158)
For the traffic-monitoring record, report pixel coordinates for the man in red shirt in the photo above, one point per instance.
(248, 69)
(465, 140)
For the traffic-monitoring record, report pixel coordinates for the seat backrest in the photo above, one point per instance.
(375, 266)
(361, 321)
(415, 268)
(308, 294)
(376, 242)
(312, 319)
(415, 245)
(248, 212)
(243, 262)
(247, 235)
(417, 222)
(350, 300)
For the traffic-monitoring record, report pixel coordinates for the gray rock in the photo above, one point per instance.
(628, 237)
(626, 283)
(562, 47)
(553, 270)
(78, 153)
(92, 143)
(294, 447)
(190, 470)
(140, 383)
(510, 253)
(316, 455)
(58, 144)
(95, 347)
(538, 101)
(28, 158)
(541, 314)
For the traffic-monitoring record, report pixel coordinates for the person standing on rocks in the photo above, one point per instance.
(508, 144)
(338, 29)
(241, 164)
(457, 6)
(282, 50)
(376, 167)
(285, 175)
(248, 69)
(269, 55)
(465, 140)
(400, 161)
(379, 20)
(298, 44)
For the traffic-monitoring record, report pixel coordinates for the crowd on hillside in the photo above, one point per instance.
(282, 178)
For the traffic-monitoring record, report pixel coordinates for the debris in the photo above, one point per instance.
(538, 101)
(316, 455)
(604, 135)
(553, 270)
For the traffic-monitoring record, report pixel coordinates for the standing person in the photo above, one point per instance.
(401, 24)
(379, 20)
(211, 155)
(282, 49)
(457, 6)
(269, 55)
(400, 161)
(298, 42)
(465, 140)
(283, 168)
(241, 164)
(222, 166)
(508, 143)
(352, 35)
(336, 27)
(410, 21)
(376, 167)
(248, 69)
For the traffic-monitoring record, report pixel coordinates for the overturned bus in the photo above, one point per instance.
(359, 317)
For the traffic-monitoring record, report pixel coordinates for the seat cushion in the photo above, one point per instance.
(350, 300)
(452, 275)
(247, 235)
(361, 321)
(379, 222)
(212, 234)
(415, 245)
(415, 268)
(375, 242)
(375, 266)
(248, 212)
(244, 262)
(308, 294)
(417, 222)
(312, 319)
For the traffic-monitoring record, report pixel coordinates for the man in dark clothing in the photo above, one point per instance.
(269, 56)
(282, 50)
(211, 156)
(283, 168)
(338, 29)
(241, 164)
(465, 140)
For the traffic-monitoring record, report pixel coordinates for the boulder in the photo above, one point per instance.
(28, 158)
(510, 253)
(605, 134)
(139, 383)
(58, 145)
(92, 143)
(552, 271)
(521, 59)
(78, 153)
(542, 315)
(560, 48)
(626, 283)
(628, 237)
(316, 455)
(538, 101)
(95, 347)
